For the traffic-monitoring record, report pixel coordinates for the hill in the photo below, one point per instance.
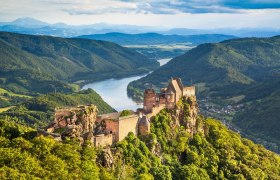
(41, 64)
(168, 152)
(231, 76)
(38, 111)
(238, 61)
(259, 119)
(155, 38)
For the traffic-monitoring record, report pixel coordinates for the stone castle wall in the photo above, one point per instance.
(103, 140)
(189, 91)
(155, 110)
(128, 124)
(149, 100)
(112, 127)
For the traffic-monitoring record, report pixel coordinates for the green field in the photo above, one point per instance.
(3, 91)
(6, 109)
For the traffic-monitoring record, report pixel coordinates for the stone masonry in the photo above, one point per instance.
(102, 130)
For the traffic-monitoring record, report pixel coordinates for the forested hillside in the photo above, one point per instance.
(40, 64)
(168, 152)
(239, 72)
(39, 111)
(229, 63)
(259, 119)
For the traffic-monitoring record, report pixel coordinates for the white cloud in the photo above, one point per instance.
(174, 13)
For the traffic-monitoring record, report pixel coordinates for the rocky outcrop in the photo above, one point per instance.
(191, 125)
(73, 122)
(87, 118)
(186, 112)
(106, 158)
(72, 131)
(42, 132)
(144, 125)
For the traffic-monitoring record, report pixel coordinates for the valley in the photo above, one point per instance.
(167, 132)
(158, 46)
(114, 91)
(139, 90)
(159, 51)
(227, 94)
(31, 61)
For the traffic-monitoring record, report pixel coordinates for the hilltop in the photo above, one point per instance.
(238, 72)
(168, 152)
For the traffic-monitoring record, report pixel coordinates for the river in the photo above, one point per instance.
(114, 91)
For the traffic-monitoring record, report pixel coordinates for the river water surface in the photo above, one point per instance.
(114, 91)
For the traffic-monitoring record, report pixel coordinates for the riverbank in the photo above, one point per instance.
(114, 90)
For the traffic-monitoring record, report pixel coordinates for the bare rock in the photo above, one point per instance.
(106, 158)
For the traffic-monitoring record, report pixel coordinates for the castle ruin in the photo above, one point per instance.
(83, 122)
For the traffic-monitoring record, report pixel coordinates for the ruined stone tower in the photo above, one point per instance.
(149, 100)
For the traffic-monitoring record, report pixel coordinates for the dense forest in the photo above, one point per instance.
(42, 64)
(38, 111)
(231, 64)
(260, 117)
(240, 72)
(168, 152)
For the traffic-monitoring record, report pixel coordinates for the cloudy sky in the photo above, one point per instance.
(173, 13)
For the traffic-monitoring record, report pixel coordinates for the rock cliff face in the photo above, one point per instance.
(106, 158)
(74, 122)
(88, 118)
(186, 114)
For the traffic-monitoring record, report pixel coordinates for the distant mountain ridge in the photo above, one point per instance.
(35, 27)
(42, 63)
(28, 22)
(32, 26)
(242, 32)
(155, 38)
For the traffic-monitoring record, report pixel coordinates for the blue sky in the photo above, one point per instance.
(174, 13)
